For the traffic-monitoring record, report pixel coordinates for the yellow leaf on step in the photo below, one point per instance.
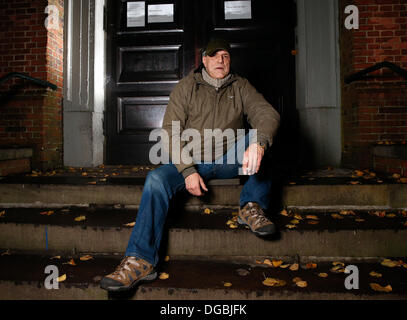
(294, 267)
(61, 278)
(47, 213)
(70, 262)
(55, 257)
(130, 224)
(227, 284)
(164, 276)
(311, 217)
(271, 282)
(207, 211)
(336, 216)
(2, 213)
(295, 221)
(290, 226)
(86, 257)
(298, 216)
(322, 275)
(301, 284)
(389, 263)
(268, 262)
(167, 258)
(379, 288)
(284, 213)
(80, 218)
(277, 263)
(311, 265)
(375, 274)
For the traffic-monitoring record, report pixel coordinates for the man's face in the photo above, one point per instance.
(218, 66)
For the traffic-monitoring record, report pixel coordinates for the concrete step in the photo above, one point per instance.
(23, 276)
(362, 234)
(299, 191)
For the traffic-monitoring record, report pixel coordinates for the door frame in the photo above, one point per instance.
(84, 142)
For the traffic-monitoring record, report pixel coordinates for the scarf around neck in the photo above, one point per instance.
(217, 83)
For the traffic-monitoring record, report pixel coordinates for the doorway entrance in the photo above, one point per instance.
(151, 45)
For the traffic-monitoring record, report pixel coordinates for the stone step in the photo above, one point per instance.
(23, 276)
(54, 191)
(193, 233)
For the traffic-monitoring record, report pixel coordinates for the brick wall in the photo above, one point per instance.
(373, 110)
(31, 116)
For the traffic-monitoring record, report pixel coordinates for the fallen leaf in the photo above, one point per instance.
(301, 284)
(338, 263)
(338, 269)
(80, 218)
(375, 274)
(2, 213)
(55, 257)
(294, 221)
(283, 266)
(359, 220)
(403, 180)
(164, 276)
(86, 257)
(296, 279)
(311, 265)
(379, 214)
(378, 287)
(312, 222)
(227, 284)
(271, 282)
(336, 216)
(390, 263)
(359, 173)
(395, 176)
(354, 182)
(290, 226)
(70, 262)
(298, 216)
(277, 263)
(84, 174)
(322, 275)
(347, 212)
(311, 217)
(390, 215)
(207, 211)
(268, 262)
(294, 267)
(292, 183)
(284, 213)
(130, 224)
(92, 182)
(47, 213)
(233, 226)
(61, 278)
(403, 213)
(167, 258)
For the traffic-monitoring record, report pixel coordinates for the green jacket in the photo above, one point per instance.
(196, 104)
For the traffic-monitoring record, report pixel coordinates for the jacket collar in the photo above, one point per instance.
(197, 73)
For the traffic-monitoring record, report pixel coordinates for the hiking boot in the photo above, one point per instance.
(130, 272)
(252, 215)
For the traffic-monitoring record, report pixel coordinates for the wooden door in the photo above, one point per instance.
(153, 44)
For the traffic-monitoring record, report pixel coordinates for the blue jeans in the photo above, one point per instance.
(165, 181)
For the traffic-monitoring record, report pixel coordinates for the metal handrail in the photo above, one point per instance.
(27, 77)
(385, 64)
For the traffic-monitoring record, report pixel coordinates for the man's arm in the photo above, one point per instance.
(177, 111)
(260, 114)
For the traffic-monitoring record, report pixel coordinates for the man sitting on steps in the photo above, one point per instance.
(210, 97)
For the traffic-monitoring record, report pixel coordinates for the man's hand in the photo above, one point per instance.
(193, 183)
(252, 159)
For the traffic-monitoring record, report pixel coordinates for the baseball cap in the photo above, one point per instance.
(216, 44)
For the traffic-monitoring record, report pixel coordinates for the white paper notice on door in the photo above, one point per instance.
(136, 14)
(160, 13)
(238, 10)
